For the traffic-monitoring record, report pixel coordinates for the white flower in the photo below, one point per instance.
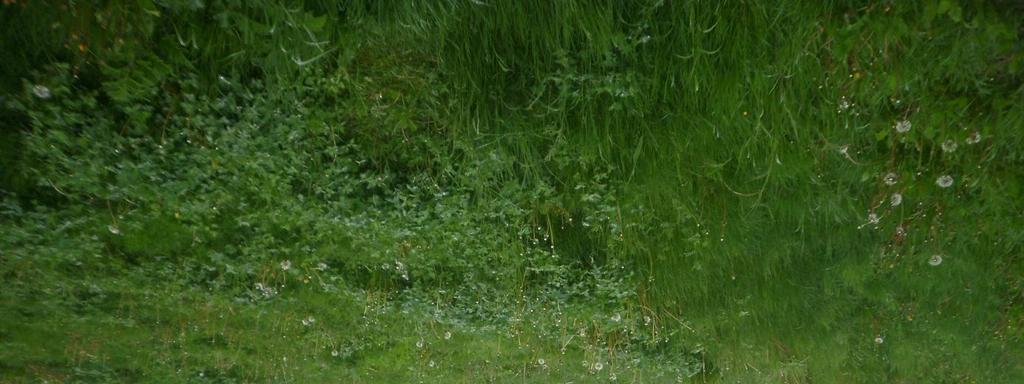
(334, 353)
(879, 339)
(308, 321)
(419, 343)
(873, 218)
(949, 146)
(896, 199)
(431, 364)
(41, 91)
(598, 366)
(612, 376)
(541, 362)
(447, 335)
(114, 229)
(321, 266)
(903, 126)
(286, 265)
(935, 260)
(974, 138)
(616, 318)
(944, 181)
(890, 178)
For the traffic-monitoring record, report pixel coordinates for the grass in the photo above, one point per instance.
(529, 191)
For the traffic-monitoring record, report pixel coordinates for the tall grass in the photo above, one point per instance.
(717, 171)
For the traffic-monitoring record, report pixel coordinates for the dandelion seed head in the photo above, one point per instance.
(896, 199)
(949, 146)
(616, 317)
(447, 335)
(41, 91)
(541, 362)
(903, 126)
(419, 343)
(879, 339)
(890, 178)
(286, 265)
(935, 260)
(873, 218)
(598, 366)
(974, 138)
(334, 353)
(944, 181)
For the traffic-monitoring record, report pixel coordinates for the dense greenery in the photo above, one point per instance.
(512, 191)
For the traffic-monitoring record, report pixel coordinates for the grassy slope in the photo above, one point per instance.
(706, 143)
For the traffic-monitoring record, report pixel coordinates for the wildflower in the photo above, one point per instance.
(903, 126)
(873, 218)
(447, 335)
(890, 178)
(308, 321)
(431, 364)
(896, 199)
(949, 146)
(114, 229)
(419, 343)
(616, 318)
(598, 366)
(321, 266)
(935, 260)
(974, 138)
(41, 91)
(647, 320)
(541, 362)
(944, 181)
(334, 353)
(612, 376)
(286, 265)
(879, 339)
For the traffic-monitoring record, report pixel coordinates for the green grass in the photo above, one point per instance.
(458, 191)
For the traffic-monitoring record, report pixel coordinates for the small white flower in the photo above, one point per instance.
(334, 353)
(541, 362)
(616, 318)
(612, 376)
(321, 266)
(935, 260)
(598, 366)
(647, 320)
(286, 265)
(890, 178)
(447, 335)
(944, 181)
(419, 343)
(873, 218)
(949, 146)
(974, 138)
(903, 126)
(308, 321)
(896, 199)
(114, 229)
(431, 364)
(879, 339)
(41, 91)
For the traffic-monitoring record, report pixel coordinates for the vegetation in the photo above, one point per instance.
(646, 191)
